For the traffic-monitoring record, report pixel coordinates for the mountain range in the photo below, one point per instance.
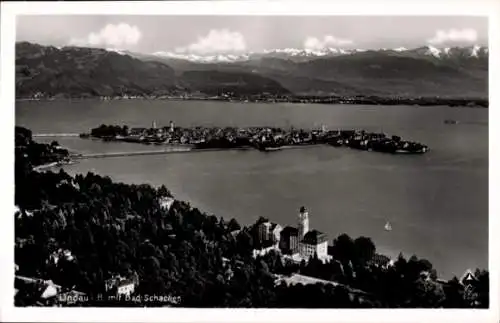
(424, 71)
(296, 54)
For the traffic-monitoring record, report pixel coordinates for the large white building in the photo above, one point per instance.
(314, 242)
(311, 242)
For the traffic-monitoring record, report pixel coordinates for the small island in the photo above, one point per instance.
(262, 138)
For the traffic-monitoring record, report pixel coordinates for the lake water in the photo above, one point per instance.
(437, 203)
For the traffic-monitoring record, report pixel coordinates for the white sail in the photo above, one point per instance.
(388, 226)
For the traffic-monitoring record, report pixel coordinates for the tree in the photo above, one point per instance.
(428, 294)
(233, 225)
(343, 248)
(164, 192)
(365, 249)
(425, 265)
(482, 288)
(454, 294)
(244, 243)
(413, 268)
(341, 297)
(400, 264)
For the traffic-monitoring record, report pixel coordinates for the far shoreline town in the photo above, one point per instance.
(272, 98)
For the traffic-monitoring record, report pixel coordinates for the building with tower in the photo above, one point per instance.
(301, 243)
(303, 222)
(311, 242)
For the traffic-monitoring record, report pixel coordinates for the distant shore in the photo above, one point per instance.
(361, 100)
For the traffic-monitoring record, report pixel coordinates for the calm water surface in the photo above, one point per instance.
(437, 203)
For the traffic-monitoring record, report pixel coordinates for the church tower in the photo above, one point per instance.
(303, 222)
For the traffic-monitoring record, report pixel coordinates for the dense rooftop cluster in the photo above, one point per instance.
(261, 137)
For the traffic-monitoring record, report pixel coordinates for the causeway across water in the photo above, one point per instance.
(39, 135)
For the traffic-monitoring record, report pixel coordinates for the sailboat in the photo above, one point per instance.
(388, 227)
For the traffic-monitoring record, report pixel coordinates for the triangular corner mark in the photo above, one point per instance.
(468, 277)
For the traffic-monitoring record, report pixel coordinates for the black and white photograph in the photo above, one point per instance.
(249, 161)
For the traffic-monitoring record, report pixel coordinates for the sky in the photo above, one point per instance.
(206, 35)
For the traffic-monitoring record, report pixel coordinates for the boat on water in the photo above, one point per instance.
(336, 143)
(269, 145)
(406, 147)
(388, 227)
(422, 150)
(269, 148)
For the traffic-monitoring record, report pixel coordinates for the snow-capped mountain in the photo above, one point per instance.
(475, 51)
(118, 51)
(284, 53)
(296, 54)
(310, 52)
(220, 58)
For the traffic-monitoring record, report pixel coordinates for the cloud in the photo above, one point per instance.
(216, 41)
(314, 43)
(120, 35)
(468, 35)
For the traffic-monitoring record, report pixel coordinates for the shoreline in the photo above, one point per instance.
(53, 165)
(378, 101)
